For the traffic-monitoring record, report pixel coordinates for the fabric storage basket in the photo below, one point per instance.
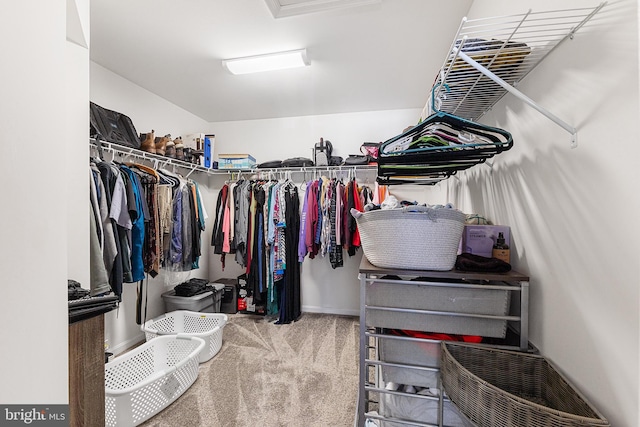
(412, 407)
(463, 308)
(412, 237)
(207, 326)
(142, 382)
(495, 387)
(424, 353)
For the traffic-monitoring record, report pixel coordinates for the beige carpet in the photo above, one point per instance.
(300, 374)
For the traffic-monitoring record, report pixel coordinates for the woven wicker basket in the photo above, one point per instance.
(414, 238)
(494, 387)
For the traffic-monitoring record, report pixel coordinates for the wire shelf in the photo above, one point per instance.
(505, 49)
(159, 161)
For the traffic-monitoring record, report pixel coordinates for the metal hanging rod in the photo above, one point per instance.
(162, 161)
(157, 159)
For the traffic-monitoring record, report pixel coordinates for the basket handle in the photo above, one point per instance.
(430, 212)
(423, 208)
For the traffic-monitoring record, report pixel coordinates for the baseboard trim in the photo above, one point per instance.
(130, 343)
(330, 310)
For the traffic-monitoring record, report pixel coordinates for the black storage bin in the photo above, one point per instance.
(229, 301)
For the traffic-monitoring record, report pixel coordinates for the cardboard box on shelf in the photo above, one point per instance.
(236, 161)
(479, 239)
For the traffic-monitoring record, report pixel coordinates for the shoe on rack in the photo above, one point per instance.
(196, 156)
(161, 144)
(170, 149)
(147, 142)
(188, 154)
(179, 149)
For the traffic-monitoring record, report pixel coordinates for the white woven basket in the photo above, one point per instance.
(207, 326)
(412, 237)
(142, 382)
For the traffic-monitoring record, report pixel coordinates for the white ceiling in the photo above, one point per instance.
(371, 56)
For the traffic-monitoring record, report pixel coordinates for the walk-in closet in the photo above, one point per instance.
(308, 246)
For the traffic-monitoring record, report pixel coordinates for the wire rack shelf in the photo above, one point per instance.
(490, 56)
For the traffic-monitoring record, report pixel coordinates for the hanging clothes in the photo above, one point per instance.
(137, 218)
(149, 180)
(335, 248)
(98, 277)
(257, 265)
(112, 254)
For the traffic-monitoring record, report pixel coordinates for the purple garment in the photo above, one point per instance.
(319, 206)
(312, 219)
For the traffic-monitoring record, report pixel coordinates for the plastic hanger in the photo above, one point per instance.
(500, 139)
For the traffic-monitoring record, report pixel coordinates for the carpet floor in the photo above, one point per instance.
(301, 374)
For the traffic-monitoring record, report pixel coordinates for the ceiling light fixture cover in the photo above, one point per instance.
(267, 62)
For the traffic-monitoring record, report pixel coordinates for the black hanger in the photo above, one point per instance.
(502, 140)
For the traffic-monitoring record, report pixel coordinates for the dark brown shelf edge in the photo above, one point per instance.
(512, 276)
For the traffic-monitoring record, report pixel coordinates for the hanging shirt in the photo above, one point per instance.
(302, 247)
(136, 213)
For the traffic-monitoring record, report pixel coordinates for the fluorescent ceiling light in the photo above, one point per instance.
(268, 62)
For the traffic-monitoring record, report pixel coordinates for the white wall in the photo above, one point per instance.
(147, 111)
(272, 139)
(323, 289)
(77, 152)
(572, 210)
(33, 166)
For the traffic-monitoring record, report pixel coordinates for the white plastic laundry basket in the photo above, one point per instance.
(142, 382)
(207, 326)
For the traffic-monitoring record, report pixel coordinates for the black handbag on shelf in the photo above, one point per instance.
(356, 159)
(112, 126)
(295, 162)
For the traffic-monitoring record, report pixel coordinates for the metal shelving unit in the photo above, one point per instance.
(490, 56)
(418, 359)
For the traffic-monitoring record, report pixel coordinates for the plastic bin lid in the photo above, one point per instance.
(218, 286)
(171, 295)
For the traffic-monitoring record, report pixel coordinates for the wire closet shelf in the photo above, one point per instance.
(490, 56)
(157, 161)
